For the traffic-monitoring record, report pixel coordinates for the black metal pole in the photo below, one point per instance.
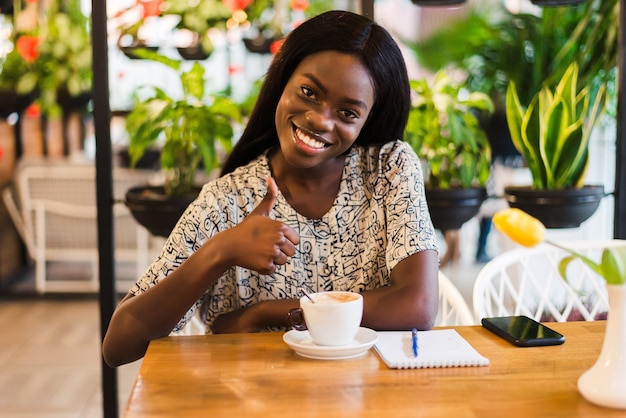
(367, 8)
(104, 188)
(619, 229)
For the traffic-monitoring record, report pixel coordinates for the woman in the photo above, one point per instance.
(318, 193)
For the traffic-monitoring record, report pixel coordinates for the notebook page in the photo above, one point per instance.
(437, 348)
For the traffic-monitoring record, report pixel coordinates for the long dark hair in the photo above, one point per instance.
(345, 32)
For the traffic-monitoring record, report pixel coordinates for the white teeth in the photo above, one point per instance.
(313, 143)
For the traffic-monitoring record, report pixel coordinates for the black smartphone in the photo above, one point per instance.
(523, 331)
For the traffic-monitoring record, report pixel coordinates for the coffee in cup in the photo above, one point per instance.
(333, 318)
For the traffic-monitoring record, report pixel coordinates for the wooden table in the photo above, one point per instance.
(248, 375)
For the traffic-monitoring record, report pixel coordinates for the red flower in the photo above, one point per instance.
(1, 153)
(299, 5)
(151, 7)
(27, 46)
(233, 5)
(275, 46)
(33, 111)
(234, 69)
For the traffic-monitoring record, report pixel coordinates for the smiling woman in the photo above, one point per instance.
(318, 193)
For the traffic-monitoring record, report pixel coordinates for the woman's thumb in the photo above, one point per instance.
(269, 200)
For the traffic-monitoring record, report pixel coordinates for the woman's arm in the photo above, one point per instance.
(412, 298)
(258, 243)
(153, 314)
(410, 301)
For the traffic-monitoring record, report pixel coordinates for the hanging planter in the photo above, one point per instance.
(567, 208)
(437, 2)
(259, 45)
(130, 51)
(451, 208)
(70, 103)
(193, 53)
(544, 3)
(193, 46)
(195, 127)
(11, 102)
(156, 211)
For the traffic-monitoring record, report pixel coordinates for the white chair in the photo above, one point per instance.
(453, 309)
(54, 209)
(526, 281)
(195, 326)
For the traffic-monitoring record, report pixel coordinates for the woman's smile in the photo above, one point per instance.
(308, 143)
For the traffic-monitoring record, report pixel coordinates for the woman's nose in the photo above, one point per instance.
(320, 119)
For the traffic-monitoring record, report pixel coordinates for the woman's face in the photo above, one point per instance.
(323, 108)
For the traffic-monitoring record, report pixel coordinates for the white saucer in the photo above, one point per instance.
(302, 344)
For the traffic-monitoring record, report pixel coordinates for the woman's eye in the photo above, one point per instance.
(308, 92)
(349, 114)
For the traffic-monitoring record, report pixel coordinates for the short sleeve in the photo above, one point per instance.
(409, 227)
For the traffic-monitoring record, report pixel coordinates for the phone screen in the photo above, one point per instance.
(523, 331)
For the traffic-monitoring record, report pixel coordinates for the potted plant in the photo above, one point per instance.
(20, 52)
(61, 71)
(194, 24)
(493, 46)
(51, 60)
(271, 20)
(443, 129)
(552, 134)
(14, 98)
(189, 131)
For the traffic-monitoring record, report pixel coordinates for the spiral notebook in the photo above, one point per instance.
(436, 348)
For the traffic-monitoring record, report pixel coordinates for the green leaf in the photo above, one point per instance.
(571, 164)
(563, 266)
(193, 81)
(145, 53)
(614, 265)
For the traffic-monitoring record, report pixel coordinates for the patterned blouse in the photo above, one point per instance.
(379, 217)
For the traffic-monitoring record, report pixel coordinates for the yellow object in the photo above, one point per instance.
(520, 227)
(529, 231)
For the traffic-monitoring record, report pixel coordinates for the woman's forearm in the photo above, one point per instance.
(153, 314)
(412, 298)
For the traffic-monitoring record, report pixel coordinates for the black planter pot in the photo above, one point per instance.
(156, 211)
(258, 45)
(193, 53)
(451, 208)
(11, 102)
(437, 2)
(543, 3)
(71, 103)
(556, 208)
(129, 51)
(151, 159)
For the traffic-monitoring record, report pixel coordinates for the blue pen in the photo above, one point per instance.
(414, 336)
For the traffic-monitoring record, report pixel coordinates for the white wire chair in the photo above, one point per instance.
(526, 281)
(54, 209)
(453, 309)
(195, 326)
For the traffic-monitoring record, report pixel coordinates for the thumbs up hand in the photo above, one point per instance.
(261, 243)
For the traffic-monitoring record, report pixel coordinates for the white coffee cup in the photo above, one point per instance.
(334, 318)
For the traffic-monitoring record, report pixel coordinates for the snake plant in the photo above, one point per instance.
(553, 132)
